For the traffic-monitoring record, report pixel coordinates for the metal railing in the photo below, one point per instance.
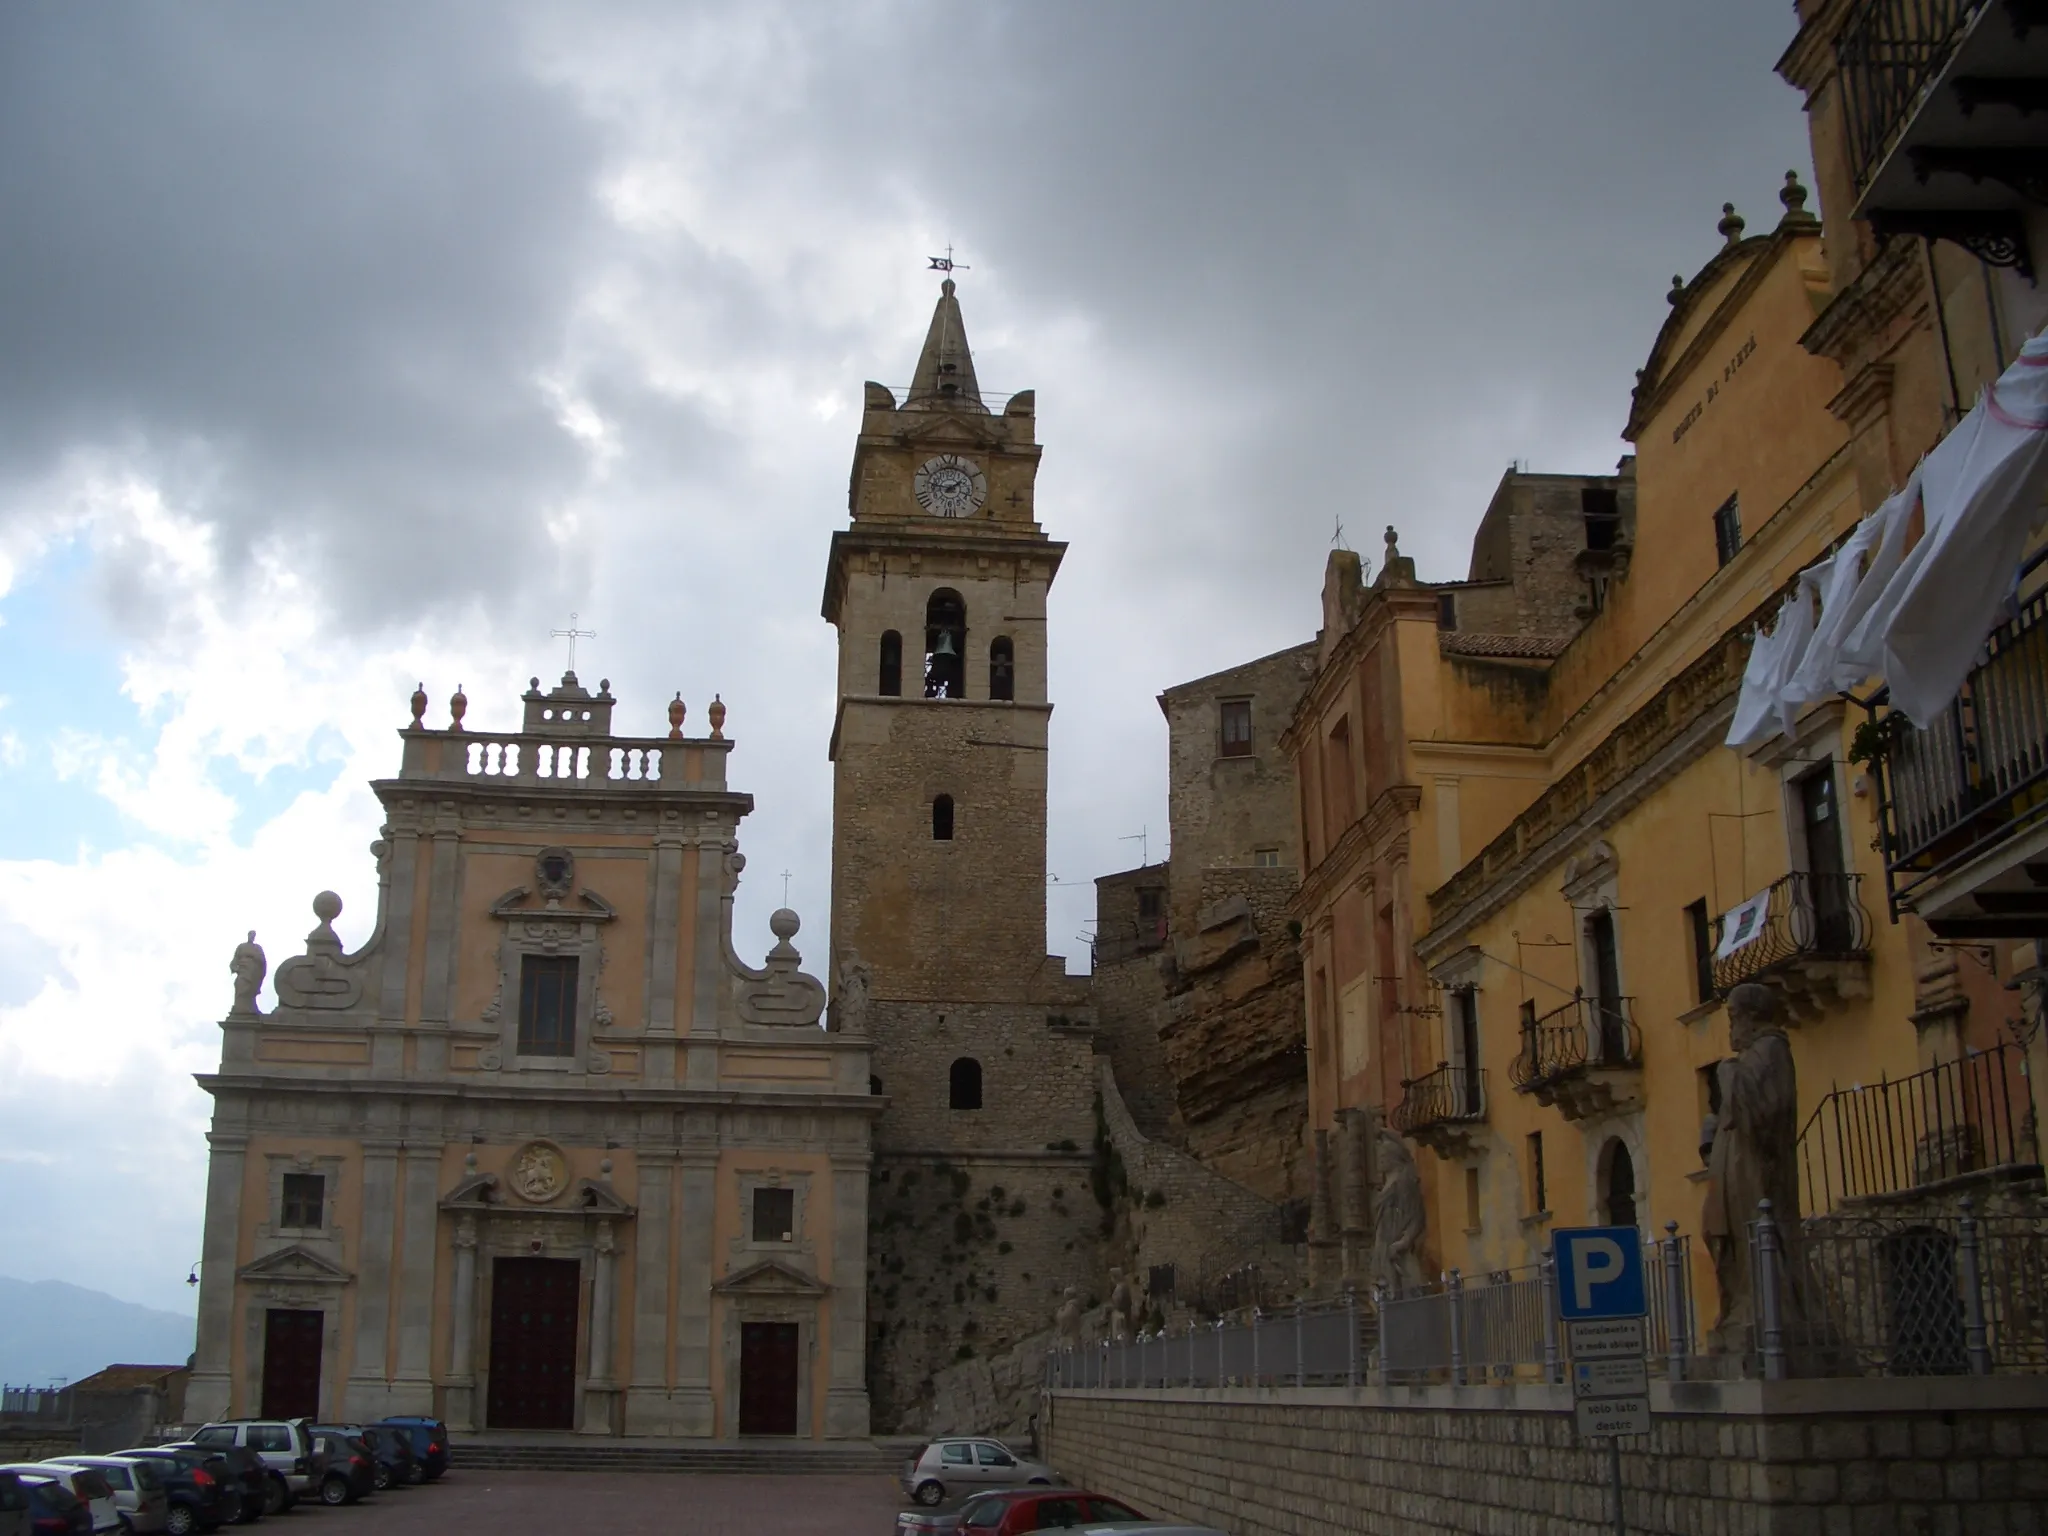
(1808, 917)
(1897, 1135)
(1900, 1296)
(1889, 52)
(46, 1403)
(1978, 775)
(1447, 1095)
(1585, 1032)
(1499, 1327)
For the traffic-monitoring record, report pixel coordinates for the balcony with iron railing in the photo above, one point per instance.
(1584, 1058)
(1963, 804)
(1440, 1108)
(1813, 940)
(1943, 118)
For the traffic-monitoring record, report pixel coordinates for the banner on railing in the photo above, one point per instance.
(1744, 923)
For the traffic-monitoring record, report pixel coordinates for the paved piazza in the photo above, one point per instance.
(617, 1503)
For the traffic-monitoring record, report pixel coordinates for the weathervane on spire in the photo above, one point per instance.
(946, 263)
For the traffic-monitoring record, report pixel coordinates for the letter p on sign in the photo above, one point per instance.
(1600, 1272)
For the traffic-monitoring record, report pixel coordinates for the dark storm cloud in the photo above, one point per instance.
(304, 263)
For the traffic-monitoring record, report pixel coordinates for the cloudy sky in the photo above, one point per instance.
(347, 345)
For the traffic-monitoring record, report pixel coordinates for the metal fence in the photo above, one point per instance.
(1501, 1327)
(1897, 1135)
(1888, 52)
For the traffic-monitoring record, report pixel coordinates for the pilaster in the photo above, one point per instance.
(648, 1409)
(369, 1388)
(210, 1393)
(413, 1387)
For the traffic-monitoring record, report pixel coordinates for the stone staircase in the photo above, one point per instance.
(581, 1453)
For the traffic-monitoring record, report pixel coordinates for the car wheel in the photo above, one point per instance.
(381, 1478)
(930, 1493)
(334, 1489)
(274, 1496)
(180, 1521)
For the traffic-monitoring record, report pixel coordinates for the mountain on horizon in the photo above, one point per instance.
(51, 1330)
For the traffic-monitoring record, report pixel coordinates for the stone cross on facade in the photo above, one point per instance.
(572, 634)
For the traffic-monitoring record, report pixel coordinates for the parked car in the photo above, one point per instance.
(286, 1449)
(15, 1519)
(138, 1488)
(53, 1509)
(392, 1464)
(200, 1489)
(1150, 1528)
(430, 1443)
(84, 1485)
(1009, 1510)
(351, 1468)
(246, 1479)
(966, 1465)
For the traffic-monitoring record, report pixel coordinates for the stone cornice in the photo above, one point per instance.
(1881, 292)
(613, 1098)
(1371, 835)
(936, 539)
(1809, 58)
(1382, 608)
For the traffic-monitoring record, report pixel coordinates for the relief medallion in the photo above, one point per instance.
(539, 1172)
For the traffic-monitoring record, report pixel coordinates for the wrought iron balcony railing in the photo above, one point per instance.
(1978, 776)
(1892, 1137)
(1586, 1032)
(1889, 53)
(1808, 917)
(1449, 1095)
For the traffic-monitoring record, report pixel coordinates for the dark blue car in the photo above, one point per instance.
(429, 1443)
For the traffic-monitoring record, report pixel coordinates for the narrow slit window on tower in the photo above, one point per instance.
(1002, 669)
(547, 1005)
(942, 818)
(891, 681)
(964, 1084)
(945, 645)
(1237, 727)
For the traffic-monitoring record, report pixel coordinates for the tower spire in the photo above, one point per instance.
(945, 368)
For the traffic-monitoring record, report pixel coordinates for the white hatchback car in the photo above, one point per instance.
(968, 1464)
(138, 1485)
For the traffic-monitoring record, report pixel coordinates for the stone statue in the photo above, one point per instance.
(250, 967)
(1756, 1137)
(1066, 1322)
(850, 1007)
(1123, 1306)
(1397, 1217)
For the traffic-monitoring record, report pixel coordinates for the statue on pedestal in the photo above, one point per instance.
(1753, 1158)
(1123, 1306)
(1066, 1322)
(1398, 1217)
(250, 967)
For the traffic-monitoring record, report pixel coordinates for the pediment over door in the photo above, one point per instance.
(296, 1264)
(770, 1277)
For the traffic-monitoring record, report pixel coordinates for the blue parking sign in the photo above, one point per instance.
(1599, 1272)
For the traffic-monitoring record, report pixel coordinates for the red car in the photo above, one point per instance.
(1006, 1512)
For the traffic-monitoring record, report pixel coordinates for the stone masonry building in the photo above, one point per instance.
(544, 1152)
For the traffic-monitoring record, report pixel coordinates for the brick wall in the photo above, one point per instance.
(1802, 1458)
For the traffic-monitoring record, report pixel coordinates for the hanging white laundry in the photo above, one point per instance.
(1795, 624)
(1756, 707)
(1863, 566)
(1983, 487)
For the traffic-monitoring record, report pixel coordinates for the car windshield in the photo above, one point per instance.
(982, 1514)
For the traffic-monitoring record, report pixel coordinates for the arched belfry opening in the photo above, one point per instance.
(942, 818)
(1002, 668)
(945, 645)
(890, 681)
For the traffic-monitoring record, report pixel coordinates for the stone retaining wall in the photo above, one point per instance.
(1816, 1458)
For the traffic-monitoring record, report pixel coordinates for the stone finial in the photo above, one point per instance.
(717, 713)
(326, 907)
(458, 706)
(419, 708)
(1677, 289)
(469, 1162)
(676, 710)
(1793, 196)
(1731, 225)
(1393, 545)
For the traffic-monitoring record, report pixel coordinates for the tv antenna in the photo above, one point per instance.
(1143, 838)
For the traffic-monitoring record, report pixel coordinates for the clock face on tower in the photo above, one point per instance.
(949, 486)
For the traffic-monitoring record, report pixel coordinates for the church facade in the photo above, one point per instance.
(544, 1153)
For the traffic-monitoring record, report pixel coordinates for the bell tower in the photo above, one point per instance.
(938, 591)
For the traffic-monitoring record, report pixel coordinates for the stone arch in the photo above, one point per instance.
(1002, 668)
(945, 645)
(963, 1084)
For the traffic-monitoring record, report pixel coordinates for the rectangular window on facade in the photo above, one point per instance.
(774, 1215)
(1266, 858)
(1701, 926)
(1447, 610)
(1602, 510)
(1539, 1192)
(1728, 529)
(1151, 917)
(304, 1200)
(1237, 727)
(547, 1005)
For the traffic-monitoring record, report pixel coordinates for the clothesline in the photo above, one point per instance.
(1918, 616)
